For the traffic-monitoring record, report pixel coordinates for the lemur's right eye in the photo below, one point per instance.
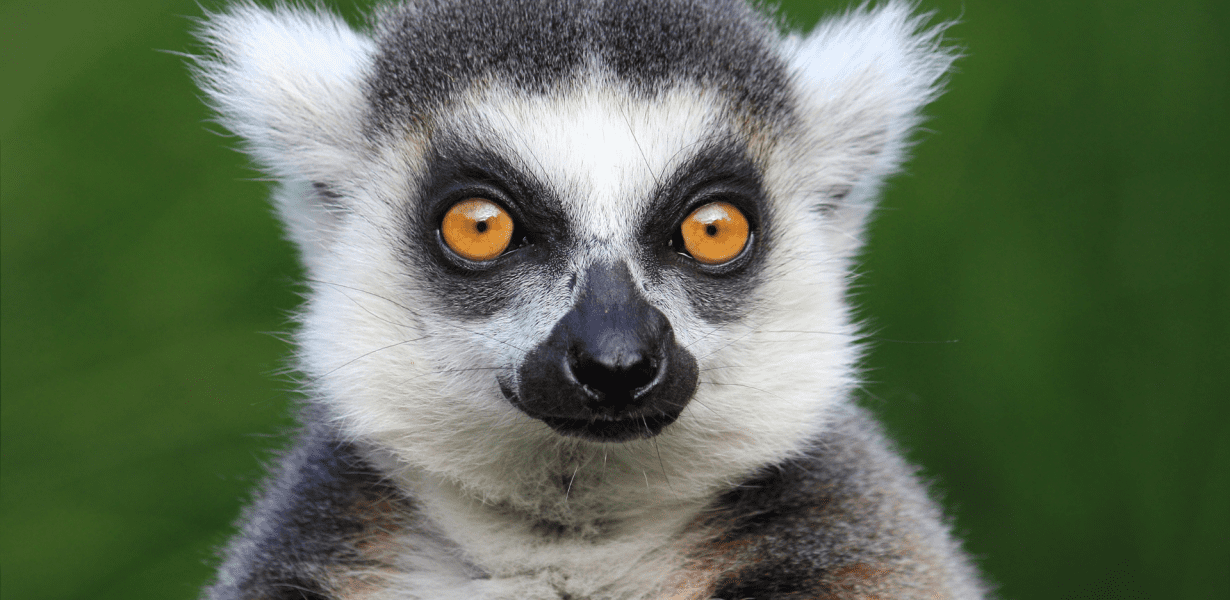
(715, 233)
(477, 229)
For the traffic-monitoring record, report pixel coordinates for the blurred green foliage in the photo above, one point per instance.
(1064, 220)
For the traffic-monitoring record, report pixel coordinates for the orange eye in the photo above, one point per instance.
(715, 233)
(477, 229)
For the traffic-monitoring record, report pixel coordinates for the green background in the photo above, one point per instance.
(1064, 219)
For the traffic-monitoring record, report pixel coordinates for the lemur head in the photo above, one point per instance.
(605, 238)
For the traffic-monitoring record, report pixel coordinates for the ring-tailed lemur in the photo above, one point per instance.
(577, 325)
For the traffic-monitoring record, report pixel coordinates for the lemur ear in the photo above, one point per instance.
(289, 81)
(863, 79)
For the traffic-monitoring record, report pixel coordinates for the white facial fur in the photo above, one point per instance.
(424, 383)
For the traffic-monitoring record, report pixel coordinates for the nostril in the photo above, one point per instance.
(615, 379)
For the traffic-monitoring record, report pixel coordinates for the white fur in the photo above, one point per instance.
(288, 80)
(418, 386)
(863, 79)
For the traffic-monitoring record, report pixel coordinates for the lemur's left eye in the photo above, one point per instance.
(477, 229)
(715, 233)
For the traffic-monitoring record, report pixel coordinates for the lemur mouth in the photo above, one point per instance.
(611, 430)
(598, 428)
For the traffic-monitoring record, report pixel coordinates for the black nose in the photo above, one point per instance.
(611, 369)
(619, 365)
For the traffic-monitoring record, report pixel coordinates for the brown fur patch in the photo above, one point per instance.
(376, 547)
(857, 582)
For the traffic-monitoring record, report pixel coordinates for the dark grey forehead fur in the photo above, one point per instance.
(431, 50)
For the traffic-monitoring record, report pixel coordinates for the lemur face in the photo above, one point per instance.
(591, 270)
(623, 239)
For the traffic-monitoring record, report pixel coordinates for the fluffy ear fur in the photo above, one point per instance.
(289, 81)
(862, 80)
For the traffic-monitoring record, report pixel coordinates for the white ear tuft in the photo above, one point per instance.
(288, 80)
(863, 79)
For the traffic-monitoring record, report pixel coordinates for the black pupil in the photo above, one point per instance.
(711, 230)
(481, 226)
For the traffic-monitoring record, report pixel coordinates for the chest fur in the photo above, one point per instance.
(642, 565)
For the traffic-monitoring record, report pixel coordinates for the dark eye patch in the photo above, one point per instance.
(721, 171)
(456, 170)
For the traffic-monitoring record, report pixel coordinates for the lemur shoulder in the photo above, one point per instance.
(576, 325)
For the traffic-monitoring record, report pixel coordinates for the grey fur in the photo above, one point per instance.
(850, 502)
(307, 519)
(431, 50)
(829, 512)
